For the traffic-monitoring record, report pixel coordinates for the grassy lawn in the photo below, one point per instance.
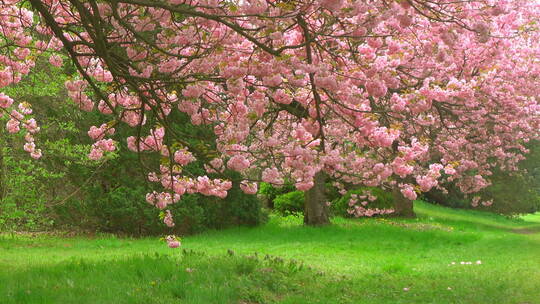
(351, 261)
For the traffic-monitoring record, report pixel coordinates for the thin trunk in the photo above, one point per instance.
(403, 206)
(315, 209)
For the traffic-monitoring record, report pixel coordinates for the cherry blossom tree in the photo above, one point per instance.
(404, 95)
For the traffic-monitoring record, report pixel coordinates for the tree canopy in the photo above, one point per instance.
(406, 94)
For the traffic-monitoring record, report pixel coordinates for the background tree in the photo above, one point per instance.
(510, 193)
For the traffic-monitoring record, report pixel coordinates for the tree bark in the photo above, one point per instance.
(315, 209)
(403, 206)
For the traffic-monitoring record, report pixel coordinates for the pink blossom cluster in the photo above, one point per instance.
(249, 187)
(15, 62)
(238, 163)
(76, 92)
(100, 147)
(162, 200)
(173, 241)
(99, 133)
(361, 209)
(168, 219)
(183, 157)
(18, 120)
(152, 142)
(408, 191)
(476, 202)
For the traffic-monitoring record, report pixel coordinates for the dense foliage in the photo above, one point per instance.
(291, 203)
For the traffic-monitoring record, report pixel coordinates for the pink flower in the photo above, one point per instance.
(449, 170)
(12, 126)
(281, 97)
(173, 244)
(254, 7)
(29, 147)
(376, 88)
(28, 137)
(401, 168)
(104, 108)
(272, 81)
(36, 154)
(326, 82)
(272, 175)
(105, 145)
(95, 154)
(332, 5)
(249, 188)
(304, 185)
(25, 108)
(360, 31)
(183, 157)
(375, 42)
(238, 163)
(215, 164)
(5, 101)
(56, 60)
(31, 126)
(404, 20)
(426, 182)
(172, 241)
(408, 191)
(96, 133)
(475, 201)
(168, 219)
(193, 91)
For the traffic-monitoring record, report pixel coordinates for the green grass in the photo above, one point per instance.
(351, 261)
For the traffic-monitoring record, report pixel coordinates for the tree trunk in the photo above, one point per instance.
(315, 209)
(403, 206)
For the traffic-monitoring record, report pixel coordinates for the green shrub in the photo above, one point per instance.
(236, 209)
(22, 195)
(270, 192)
(291, 203)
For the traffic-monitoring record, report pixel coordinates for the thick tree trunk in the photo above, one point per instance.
(403, 206)
(315, 209)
